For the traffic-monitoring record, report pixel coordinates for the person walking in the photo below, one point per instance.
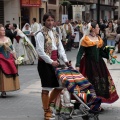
(27, 30)
(24, 47)
(69, 33)
(49, 49)
(34, 28)
(9, 33)
(91, 64)
(110, 34)
(9, 80)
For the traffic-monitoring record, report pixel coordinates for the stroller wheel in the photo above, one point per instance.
(83, 109)
(96, 117)
(90, 118)
(62, 117)
(85, 117)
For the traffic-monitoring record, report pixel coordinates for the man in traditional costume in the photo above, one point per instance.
(69, 33)
(49, 49)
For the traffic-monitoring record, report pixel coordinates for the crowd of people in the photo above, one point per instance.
(48, 43)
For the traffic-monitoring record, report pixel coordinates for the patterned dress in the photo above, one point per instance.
(90, 60)
(9, 80)
(24, 47)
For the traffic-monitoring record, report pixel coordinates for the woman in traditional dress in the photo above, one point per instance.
(24, 47)
(8, 72)
(49, 49)
(91, 64)
(27, 30)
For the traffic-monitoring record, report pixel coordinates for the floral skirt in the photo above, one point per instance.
(8, 83)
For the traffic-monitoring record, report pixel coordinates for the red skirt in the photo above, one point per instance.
(98, 74)
(7, 65)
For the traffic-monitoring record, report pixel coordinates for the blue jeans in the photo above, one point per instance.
(111, 42)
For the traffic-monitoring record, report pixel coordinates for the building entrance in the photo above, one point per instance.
(1, 12)
(25, 16)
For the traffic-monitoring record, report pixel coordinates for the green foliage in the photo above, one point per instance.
(65, 3)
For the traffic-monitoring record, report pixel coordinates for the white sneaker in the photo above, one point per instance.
(53, 114)
(52, 118)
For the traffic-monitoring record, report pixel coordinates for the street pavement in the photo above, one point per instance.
(25, 104)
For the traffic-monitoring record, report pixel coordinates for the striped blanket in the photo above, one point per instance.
(75, 81)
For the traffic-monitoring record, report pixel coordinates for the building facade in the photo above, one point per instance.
(19, 12)
(15, 12)
(117, 11)
(12, 12)
(53, 7)
(88, 9)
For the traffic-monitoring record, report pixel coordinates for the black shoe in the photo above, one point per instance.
(85, 117)
(68, 49)
(32, 63)
(3, 94)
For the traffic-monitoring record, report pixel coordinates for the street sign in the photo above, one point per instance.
(31, 3)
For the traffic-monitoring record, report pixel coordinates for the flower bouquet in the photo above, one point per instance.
(19, 60)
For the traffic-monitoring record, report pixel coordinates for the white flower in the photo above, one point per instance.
(25, 43)
(19, 60)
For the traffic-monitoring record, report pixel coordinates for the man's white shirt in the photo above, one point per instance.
(40, 41)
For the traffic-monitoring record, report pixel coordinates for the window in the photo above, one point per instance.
(51, 1)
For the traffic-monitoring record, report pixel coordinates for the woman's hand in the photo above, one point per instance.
(96, 42)
(55, 63)
(78, 69)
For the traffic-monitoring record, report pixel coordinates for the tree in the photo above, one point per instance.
(65, 3)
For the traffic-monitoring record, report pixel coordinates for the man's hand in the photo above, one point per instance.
(55, 63)
(68, 64)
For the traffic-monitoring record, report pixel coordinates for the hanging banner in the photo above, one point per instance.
(77, 12)
(64, 18)
(31, 3)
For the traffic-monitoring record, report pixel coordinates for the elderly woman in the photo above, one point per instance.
(8, 72)
(91, 64)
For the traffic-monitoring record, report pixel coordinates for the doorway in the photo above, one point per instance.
(2, 12)
(41, 13)
(25, 16)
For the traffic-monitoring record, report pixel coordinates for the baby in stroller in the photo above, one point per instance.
(76, 93)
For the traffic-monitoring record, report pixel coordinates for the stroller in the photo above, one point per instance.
(77, 97)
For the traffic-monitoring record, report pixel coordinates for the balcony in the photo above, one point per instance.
(84, 1)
